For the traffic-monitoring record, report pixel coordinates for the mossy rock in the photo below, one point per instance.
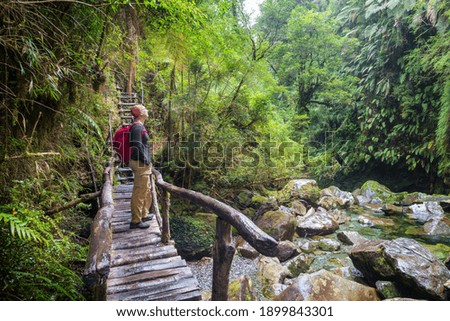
(306, 189)
(244, 199)
(259, 200)
(387, 289)
(241, 289)
(249, 212)
(278, 224)
(373, 192)
(194, 236)
(441, 251)
(299, 264)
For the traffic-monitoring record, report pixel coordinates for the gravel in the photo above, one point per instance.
(202, 270)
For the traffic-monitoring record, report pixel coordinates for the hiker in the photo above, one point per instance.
(140, 163)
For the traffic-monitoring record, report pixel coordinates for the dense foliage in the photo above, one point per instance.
(322, 88)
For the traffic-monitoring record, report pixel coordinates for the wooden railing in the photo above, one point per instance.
(99, 257)
(226, 217)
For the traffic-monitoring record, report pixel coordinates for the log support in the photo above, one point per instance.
(155, 208)
(165, 233)
(99, 257)
(222, 259)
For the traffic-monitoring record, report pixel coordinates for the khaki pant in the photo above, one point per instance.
(141, 198)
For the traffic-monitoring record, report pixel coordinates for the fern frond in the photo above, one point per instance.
(49, 283)
(18, 228)
(443, 127)
(91, 122)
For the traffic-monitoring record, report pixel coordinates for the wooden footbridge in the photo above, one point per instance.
(143, 264)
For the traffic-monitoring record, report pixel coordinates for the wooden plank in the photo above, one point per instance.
(161, 293)
(135, 268)
(132, 234)
(151, 283)
(120, 196)
(187, 296)
(143, 277)
(116, 254)
(172, 295)
(123, 188)
(128, 259)
(130, 244)
(121, 228)
(157, 292)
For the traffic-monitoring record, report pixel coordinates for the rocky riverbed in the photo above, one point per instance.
(371, 244)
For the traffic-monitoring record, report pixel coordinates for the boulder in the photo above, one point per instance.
(349, 273)
(375, 221)
(264, 209)
(339, 216)
(244, 199)
(436, 227)
(391, 209)
(350, 237)
(241, 289)
(298, 208)
(376, 193)
(246, 250)
(259, 200)
(286, 250)
(387, 289)
(306, 189)
(286, 209)
(326, 286)
(316, 223)
(425, 211)
(411, 266)
(333, 197)
(329, 245)
(271, 274)
(278, 224)
(299, 264)
(309, 247)
(417, 197)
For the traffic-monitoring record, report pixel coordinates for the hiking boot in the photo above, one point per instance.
(149, 217)
(139, 225)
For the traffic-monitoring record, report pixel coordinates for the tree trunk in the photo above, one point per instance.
(222, 259)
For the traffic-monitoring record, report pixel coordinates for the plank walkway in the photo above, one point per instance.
(142, 268)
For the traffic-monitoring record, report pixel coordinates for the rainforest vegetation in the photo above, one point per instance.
(339, 91)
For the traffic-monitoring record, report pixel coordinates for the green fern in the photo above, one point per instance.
(18, 228)
(91, 122)
(443, 128)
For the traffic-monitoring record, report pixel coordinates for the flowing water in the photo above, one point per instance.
(400, 226)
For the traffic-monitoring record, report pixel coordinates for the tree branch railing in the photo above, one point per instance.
(226, 217)
(98, 261)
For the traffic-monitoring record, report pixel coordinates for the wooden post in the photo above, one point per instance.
(155, 208)
(165, 237)
(222, 259)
